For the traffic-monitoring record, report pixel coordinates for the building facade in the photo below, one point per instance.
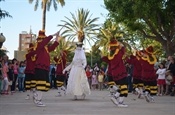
(24, 40)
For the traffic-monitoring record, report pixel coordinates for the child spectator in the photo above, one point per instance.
(100, 79)
(15, 70)
(89, 75)
(161, 79)
(94, 81)
(21, 76)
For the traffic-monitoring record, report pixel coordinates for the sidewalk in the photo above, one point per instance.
(98, 103)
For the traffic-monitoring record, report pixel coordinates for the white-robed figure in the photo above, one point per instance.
(77, 82)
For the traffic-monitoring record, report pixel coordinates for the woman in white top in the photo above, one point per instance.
(77, 82)
(161, 78)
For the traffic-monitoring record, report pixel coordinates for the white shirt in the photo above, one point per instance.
(161, 73)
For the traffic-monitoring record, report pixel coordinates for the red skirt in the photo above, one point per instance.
(161, 82)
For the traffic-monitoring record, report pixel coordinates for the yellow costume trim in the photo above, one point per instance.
(112, 57)
(34, 48)
(59, 61)
(147, 58)
(36, 45)
(117, 44)
(33, 58)
(152, 61)
(46, 48)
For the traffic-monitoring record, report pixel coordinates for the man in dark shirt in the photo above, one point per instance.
(172, 71)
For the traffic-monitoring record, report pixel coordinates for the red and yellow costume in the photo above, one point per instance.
(30, 70)
(149, 77)
(61, 64)
(117, 70)
(42, 63)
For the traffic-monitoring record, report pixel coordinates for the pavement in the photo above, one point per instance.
(98, 103)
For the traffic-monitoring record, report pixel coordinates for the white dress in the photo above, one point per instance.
(77, 81)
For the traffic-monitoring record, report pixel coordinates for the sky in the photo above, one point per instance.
(24, 18)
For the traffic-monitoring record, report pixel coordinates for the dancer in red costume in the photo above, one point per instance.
(118, 72)
(42, 63)
(149, 77)
(30, 70)
(61, 64)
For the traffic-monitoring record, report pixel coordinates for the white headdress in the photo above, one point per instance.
(79, 54)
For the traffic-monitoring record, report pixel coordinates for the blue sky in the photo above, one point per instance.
(25, 17)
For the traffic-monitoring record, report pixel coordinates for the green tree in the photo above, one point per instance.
(155, 19)
(109, 31)
(3, 52)
(93, 56)
(45, 5)
(65, 46)
(3, 13)
(80, 25)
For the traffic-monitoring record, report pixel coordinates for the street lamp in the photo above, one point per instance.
(91, 58)
(2, 39)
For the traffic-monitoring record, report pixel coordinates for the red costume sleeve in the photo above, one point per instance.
(44, 42)
(105, 59)
(31, 53)
(53, 46)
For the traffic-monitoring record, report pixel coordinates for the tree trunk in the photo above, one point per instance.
(169, 49)
(44, 17)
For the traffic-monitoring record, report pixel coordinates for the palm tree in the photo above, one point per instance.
(3, 13)
(64, 46)
(80, 26)
(109, 31)
(45, 5)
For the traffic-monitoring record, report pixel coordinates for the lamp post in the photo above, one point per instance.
(89, 51)
(2, 40)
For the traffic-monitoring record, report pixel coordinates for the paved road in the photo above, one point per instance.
(98, 103)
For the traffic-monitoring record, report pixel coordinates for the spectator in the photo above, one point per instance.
(94, 80)
(89, 75)
(53, 77)
(21, 76)
(10, 76)
(129, 69)
(15, 70)
(100, 79)
(171, 67)
(161, 79)
(5, 82)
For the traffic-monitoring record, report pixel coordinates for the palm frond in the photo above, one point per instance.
(81, 25)
(36, 5)
(62, 2)
(31, 1)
